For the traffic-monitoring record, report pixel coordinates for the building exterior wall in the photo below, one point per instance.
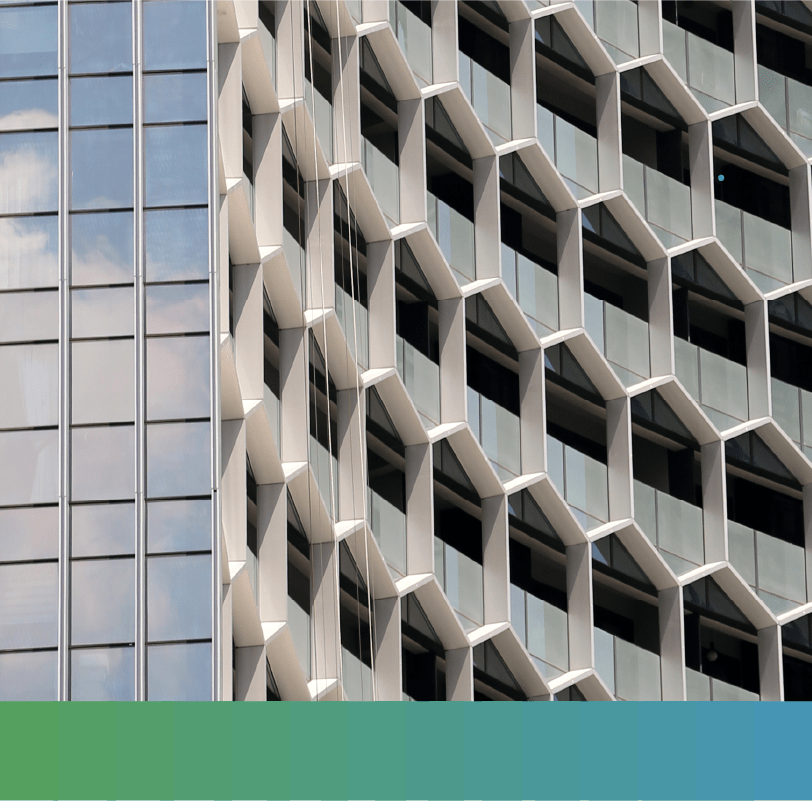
(211, 218)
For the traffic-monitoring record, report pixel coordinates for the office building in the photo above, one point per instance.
(405, 350)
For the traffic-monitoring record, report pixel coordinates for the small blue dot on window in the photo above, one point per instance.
(721, 177)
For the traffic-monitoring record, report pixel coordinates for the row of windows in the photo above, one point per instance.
(102, 169)
(176, 672)
(102, 463)
(174, 526)
(173, 97)
(101, 38)
(176, 245)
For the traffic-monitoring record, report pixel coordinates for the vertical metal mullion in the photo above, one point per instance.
(138, 310)
(63, 663)
(214, 323)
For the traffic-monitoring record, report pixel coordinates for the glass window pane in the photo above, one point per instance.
(102, 601)
(102, 169)
(101, 37)
(102, 248)
(175, 98)
(29, 316)
(174, 35)
(177, 309)
(103, 529)
(179, 672)
(28, 41)
(103, 381)
(178, 378)
(28, 252)
(102, 312)
(176, 165)
(102, 463)
(101, 101)
(28, 676)
(29, 164)
(177, 244)
(178, 526)
(29, 602)
(31, 533)
(29, 467)
(25, 105)
(29, 389)
(178, 598)
(178, 456)
(102, 674)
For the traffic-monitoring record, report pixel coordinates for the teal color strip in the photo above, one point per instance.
(403, 751)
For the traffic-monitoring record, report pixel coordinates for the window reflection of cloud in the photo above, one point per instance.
(178, 459)
(102, 463)
(178, 598)
(28, 605)
(28, 676)
(29, 395)
(177, 378)
(28, 173)
(102, 601)
(179, 672)
(29, 469)
(28, 118)
(102, 248)
(102, 674)
(28, 252)
(177, 309)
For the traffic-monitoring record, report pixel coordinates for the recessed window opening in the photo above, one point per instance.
(797, 653)
(493, 679)
(355, 629)
(603, 232)
(299, 587)
(493, 387)
(352, 300)
(554, 48)
(423, 655)
(706, 20)
(323, 426)
(538, 604)
(458, 551)
(720, 643)
(386, 480)
(709, 325)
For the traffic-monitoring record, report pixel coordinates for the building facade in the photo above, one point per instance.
(423, 350)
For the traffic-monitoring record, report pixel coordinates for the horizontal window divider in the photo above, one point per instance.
(29, 562)
(112, 557)
(184, 71)
(88, 647)
(27, 650)
(118, 126)
(28, 428)
(178, 642)
(163, 499)
(187, 206)
(32, 289)
(102, 286)
(19, 78)
(179, 334)
(193, 282)
(117, 209)
(28, 130)
(151, 554)
(101, 425)
(98, 503)
(180, 420)
(29, 506)
(114, 74)
(12, 215)
(102, 339)
(174, 124)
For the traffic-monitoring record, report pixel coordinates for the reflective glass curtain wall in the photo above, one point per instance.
(106, 448)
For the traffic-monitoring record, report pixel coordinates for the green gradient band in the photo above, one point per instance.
(404, 751)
